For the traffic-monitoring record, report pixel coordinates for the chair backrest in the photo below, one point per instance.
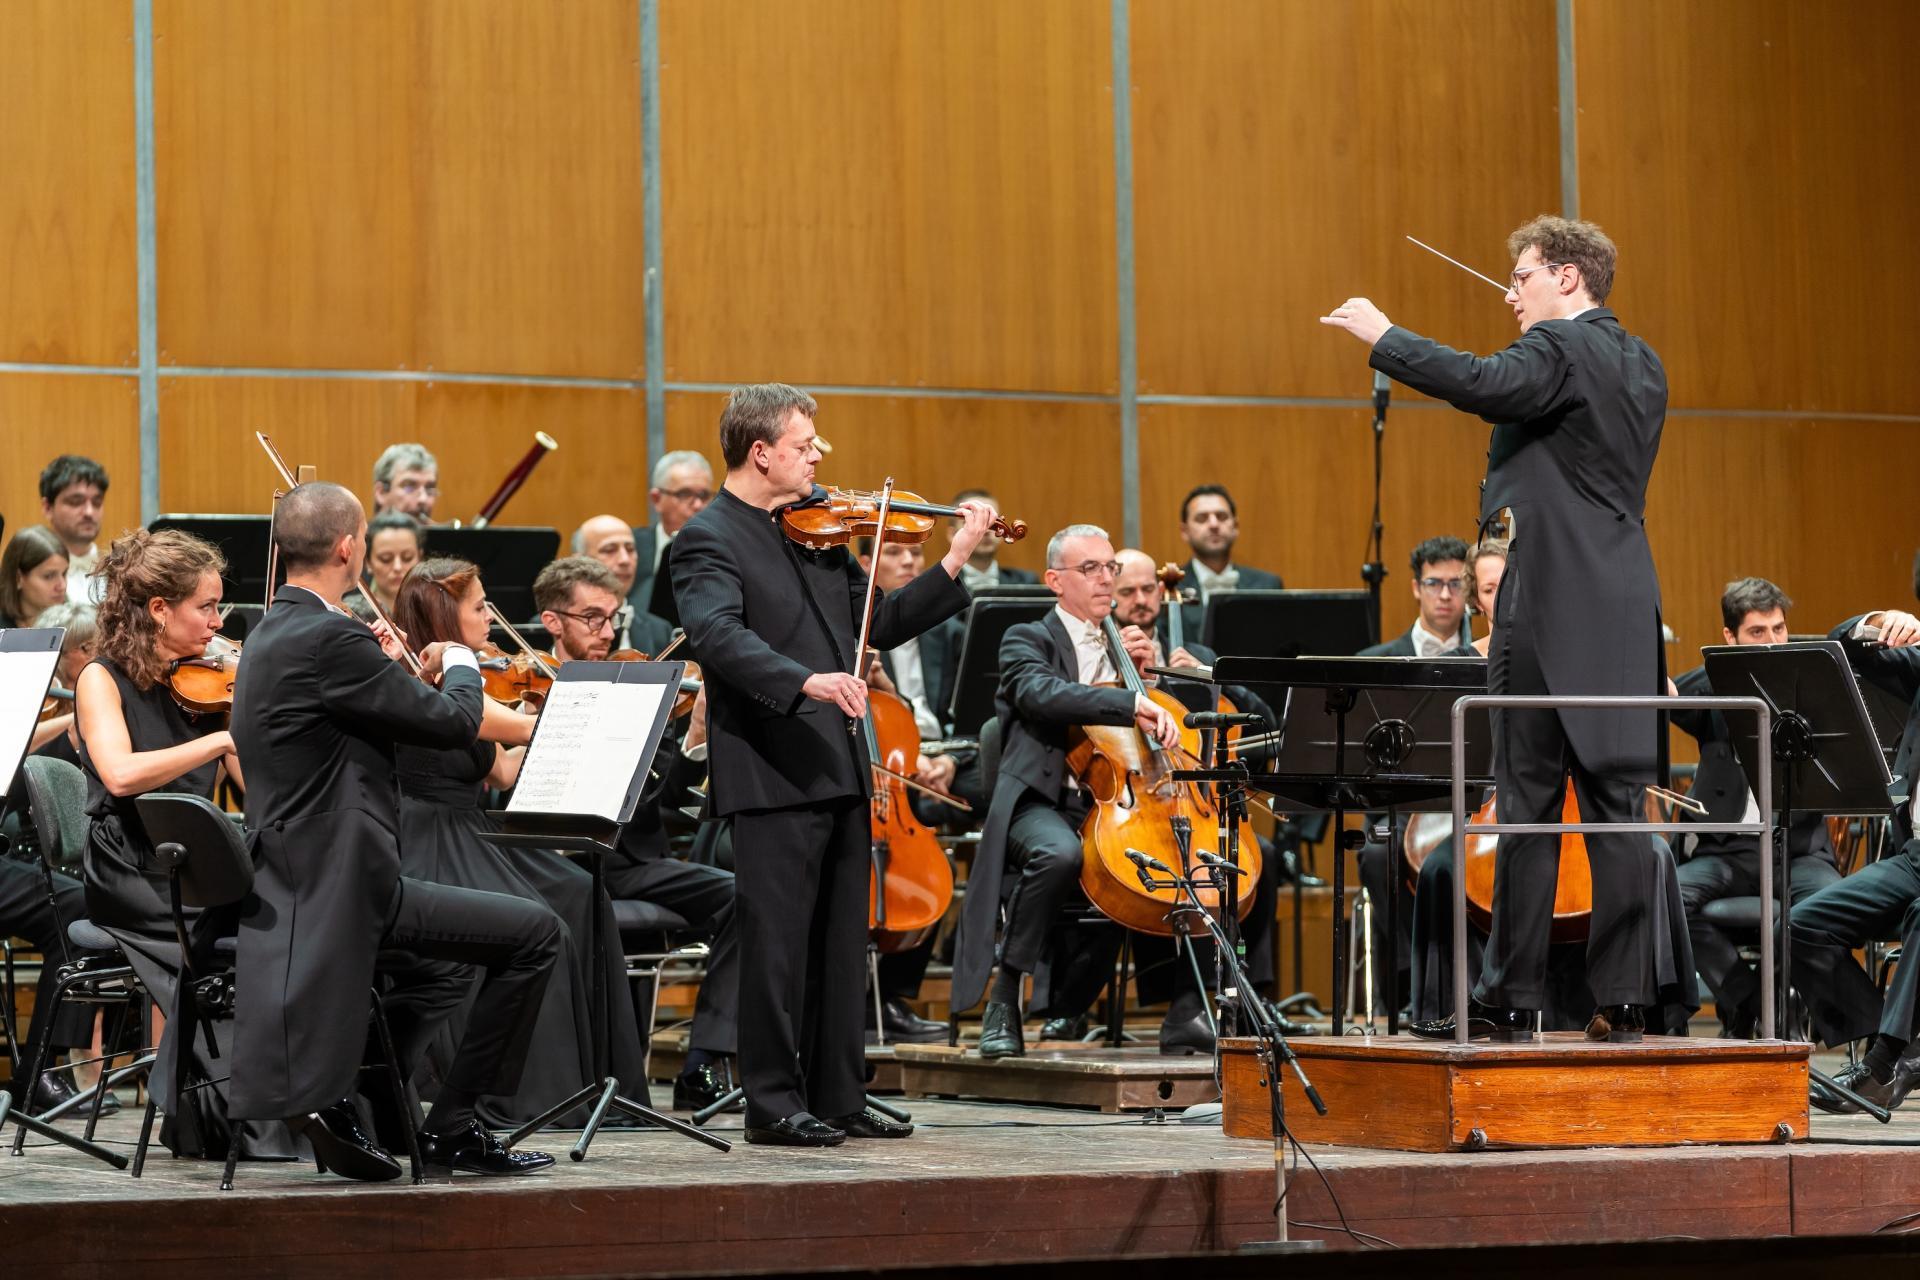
(215, 868)
(57, 794)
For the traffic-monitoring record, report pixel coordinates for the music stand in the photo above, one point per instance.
(244, 540)
(1286, 624)
(509, 558)
(1825, 754)
(1378, 756)
(989, 619)
(579, 785)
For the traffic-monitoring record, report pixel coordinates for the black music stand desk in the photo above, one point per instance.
(989, 618)
(580, 783)
(509, 557)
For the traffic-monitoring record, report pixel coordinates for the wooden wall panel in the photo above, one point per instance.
(45, 415)
(1050, 464)
(66, 199)
(1283, 148)
(477, 432)
(1744, 154)
(887, 193)
(389, 184)
(1302, 481)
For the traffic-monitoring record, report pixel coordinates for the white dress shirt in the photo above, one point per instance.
(979, 579)
(1206, 581)
(910, 678)
(1428, 645)
(1089, 647)
(82, 586)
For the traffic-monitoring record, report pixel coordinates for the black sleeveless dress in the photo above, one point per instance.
(441, 816)
(129, 899)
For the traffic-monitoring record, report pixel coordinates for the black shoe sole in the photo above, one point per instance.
(331, 1155)
(478, 1171)
(999, 1051)
(768, 1138)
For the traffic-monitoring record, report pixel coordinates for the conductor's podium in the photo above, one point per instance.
(1400, 1093)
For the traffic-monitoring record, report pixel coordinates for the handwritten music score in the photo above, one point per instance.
(587, 749)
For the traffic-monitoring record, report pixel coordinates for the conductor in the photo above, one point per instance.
(1577, 404)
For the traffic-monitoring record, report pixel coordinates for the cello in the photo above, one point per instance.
(1573, 891)
(1137, 806)
(912, 882)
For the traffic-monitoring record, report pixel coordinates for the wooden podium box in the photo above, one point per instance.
(1403, 1094)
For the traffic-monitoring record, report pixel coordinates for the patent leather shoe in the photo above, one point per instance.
(868, 1123)
(472, 1148)
(1000, 1031)
(1618, 1024)
(341, 1146)
(1074, 1028)
(1484, 1022)
(1856, 1078)
(699, 1088)
(904, 1026)
(50, 1090)
(798, 1130)
(1189, 1036)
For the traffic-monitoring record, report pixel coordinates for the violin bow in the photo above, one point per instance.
(533, 655)
(407, 654)
(866, 613)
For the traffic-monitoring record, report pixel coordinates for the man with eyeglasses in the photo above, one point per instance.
(1440, 590)
(681, 487)
(406, 479)
(1577, 404)
(580, 606)
(1050, 671)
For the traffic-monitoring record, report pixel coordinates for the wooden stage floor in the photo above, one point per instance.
(978, 1182)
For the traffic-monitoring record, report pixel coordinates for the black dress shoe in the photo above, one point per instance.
(1483, 1022)
(902, 1024)
(699, 1088)
(341, 1146)
(1290, 1028)
(1741, 1022)
(1000, 1031)
(1187, 1037)
(869, 1123)
(471, 1148)
(1074, 1028)
(800, 1130)
(1856, 1077)
(50, 1090)
(1618, 1024)
(1291, 872)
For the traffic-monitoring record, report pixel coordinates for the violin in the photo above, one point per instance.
(204, 685)
(912, 882)
(690, 678)
(59, 703)
(834, 517)
(1137, 806)
(514, 678)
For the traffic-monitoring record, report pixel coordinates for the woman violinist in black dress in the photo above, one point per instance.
(441, 817)
(162, 604)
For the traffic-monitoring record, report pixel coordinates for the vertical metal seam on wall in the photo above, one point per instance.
(651, 219)
(1569, 112)
(146, 258)
(1123, 273)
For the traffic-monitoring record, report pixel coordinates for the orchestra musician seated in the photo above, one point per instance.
(1051, 671)
(395, 543)
(610, 540)
(680, 487)
(33, 575)
(580, 600)
(1752, 611)
(406, 479)
(73, 492)
(983, 569)
(1210, 526)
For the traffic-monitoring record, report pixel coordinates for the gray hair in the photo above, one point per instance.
(402, 457)
(1058, 542)
(757, 414)
(678, 458)
(79, 618)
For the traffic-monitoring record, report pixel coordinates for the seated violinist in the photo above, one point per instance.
(54, 735)
(580, 600)
(395, 543)
(1049, 673)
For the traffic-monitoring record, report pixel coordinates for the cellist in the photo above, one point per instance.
(1035, 816)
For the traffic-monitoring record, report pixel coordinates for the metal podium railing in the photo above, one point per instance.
(1640, 702)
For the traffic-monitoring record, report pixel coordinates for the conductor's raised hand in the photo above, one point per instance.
(975, 519)
(1360, 318)
(840, 689)
(1156, 721)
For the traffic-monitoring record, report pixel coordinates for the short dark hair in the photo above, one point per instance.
(71, 469)
(389, 520)
(1567, 240)
(1438, 551)
(554, 587)
(310, 520)
(1208, 490)
(758, 414)
(1750, 595)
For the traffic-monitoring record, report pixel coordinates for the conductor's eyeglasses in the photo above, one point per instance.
(1520, 277)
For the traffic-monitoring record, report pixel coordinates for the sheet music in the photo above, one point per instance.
(24, 677)
(587, 749)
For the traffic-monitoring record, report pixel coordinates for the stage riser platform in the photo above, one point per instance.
(1059, 1074)
(1403, 1094)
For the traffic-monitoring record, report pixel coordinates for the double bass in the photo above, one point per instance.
(1572, 894)
(1136, 806)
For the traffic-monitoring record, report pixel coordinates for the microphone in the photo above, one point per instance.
(1219, 863)
(1382, 392)
(1220, 719)
(1147, 863)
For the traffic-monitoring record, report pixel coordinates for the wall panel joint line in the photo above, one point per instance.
(1122, 53)
(1569, 112)
(146, 257)
(651, 221)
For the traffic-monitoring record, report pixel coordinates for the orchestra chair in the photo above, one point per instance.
(208, 867)
(56, 795)
(654, 940)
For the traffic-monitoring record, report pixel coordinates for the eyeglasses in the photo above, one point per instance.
(688, 495)
(1438, 585)
(593, 619)
(1520, 277)
(1092, 568)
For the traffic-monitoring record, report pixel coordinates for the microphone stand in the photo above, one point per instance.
(1374, 571)
(1274, 1052)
